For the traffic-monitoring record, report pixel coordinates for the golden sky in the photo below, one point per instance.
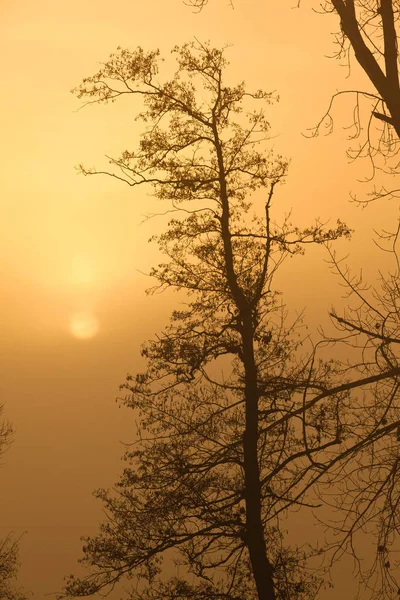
(73, 249)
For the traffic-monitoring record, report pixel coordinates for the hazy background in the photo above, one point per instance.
(73, 249)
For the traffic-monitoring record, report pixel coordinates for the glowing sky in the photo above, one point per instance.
(73, 249)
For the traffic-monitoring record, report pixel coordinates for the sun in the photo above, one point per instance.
(84, 325)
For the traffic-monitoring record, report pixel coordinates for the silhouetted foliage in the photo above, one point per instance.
(238, 424)
(5, 432)
(9, 563)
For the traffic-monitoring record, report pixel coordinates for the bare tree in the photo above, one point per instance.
(369, 31)
(237, 424)
(369, 497)
(9, 565)
(5, 433)
(9, 562)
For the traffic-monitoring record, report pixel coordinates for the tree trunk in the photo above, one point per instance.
(262, 568)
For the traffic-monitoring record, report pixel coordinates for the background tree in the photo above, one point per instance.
(237, 424)
(9, 562)
(5, 432)
(9, 565)
(369, 496)
(369, 31)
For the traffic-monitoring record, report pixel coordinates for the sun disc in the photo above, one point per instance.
(84, 326)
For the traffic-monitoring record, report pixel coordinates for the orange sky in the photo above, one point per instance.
(73, 249)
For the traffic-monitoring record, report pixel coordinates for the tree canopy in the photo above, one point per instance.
(240, 421)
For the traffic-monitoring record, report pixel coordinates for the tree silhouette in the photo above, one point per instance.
(369, 31)
(9, 562)
(5, 433)
(238, 424)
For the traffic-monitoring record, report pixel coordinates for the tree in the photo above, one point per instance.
(370, 497)
(5, 433)
(9, 562)
(9, 565)
(238, 423)
(370, 30)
